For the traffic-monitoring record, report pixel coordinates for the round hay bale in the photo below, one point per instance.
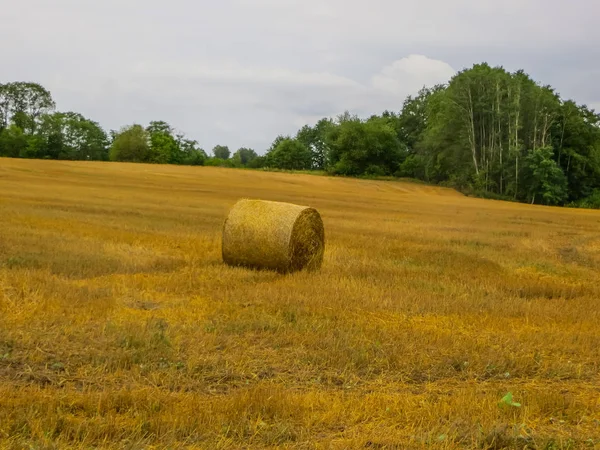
(272, 235)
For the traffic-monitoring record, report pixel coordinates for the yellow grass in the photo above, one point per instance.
(120, 326)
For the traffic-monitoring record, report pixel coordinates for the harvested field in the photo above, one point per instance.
(121, 327)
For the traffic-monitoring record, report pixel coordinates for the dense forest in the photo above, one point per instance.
(487, 132)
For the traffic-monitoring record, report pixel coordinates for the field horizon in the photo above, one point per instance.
(121, 327)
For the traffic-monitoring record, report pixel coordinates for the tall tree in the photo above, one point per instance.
(577, 148)
(412, 121)
(370, 147)
(244, 156)
(547, 182)
(131, 144)
(221, 152)
(23, 104)
(290, 154)
(316, 140)
(70, 136)
(13, 142)
(193, 155)
(164, 147)
(485, 122)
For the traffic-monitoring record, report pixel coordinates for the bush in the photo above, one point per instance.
(590, 202)
(218, 162)
(131, 144)
(412, 167)
(290, 154)
(257, 163)
(375, 171)
(345, 167)
(195, 158)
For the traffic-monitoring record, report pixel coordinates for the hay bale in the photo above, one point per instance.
(273, 235)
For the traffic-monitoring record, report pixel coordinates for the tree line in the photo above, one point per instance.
(487, 132)
(31, 128)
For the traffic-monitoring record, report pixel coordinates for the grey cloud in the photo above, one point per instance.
(239, 72)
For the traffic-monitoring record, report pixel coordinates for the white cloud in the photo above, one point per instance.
(235, 73)
(237, 105)
(408, 75)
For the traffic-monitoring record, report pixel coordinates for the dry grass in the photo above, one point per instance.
(120, 327)
(273, 235)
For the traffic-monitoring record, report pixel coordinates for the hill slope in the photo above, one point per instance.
(121, 327)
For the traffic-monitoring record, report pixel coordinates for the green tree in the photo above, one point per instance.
(577, 145)
(244, 156)
(131, 144)
(193, 155)
(221, 152)
(346, 116)
(70, 136)
(477, 129)
(290, 154)
(546, 182)
(23, 104)
(278, 140)
(316, 140)
(164, 147)
(371, 148)
(5, 107)
(13, 142)
(258, 163)
(412, 121)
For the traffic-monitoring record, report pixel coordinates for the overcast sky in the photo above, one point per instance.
(240, 72)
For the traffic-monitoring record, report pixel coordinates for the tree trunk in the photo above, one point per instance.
(472, 134)
(562, 140)
(517, 153)
(516, 176)
(544, 130)
(535, 125)
(499, 136)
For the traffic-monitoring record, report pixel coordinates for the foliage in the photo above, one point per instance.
(218, 162)
(221, 152)
(412, 167)
(546, 181)
(23, 103)
(412, 122)
(484, 131)
(487, 132)
(244, 156)
(316, 140)
(157, 143)
(290, 154)
(164, 147)
(257, 163)
(71, 136)
(591, 202)
(191, 153)
(13, 142)
(370, 148)
(507, 400)
(278, 140)
(131, 144)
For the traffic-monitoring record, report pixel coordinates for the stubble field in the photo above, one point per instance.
(120, 327)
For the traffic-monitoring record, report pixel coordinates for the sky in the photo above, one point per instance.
(241, 72)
